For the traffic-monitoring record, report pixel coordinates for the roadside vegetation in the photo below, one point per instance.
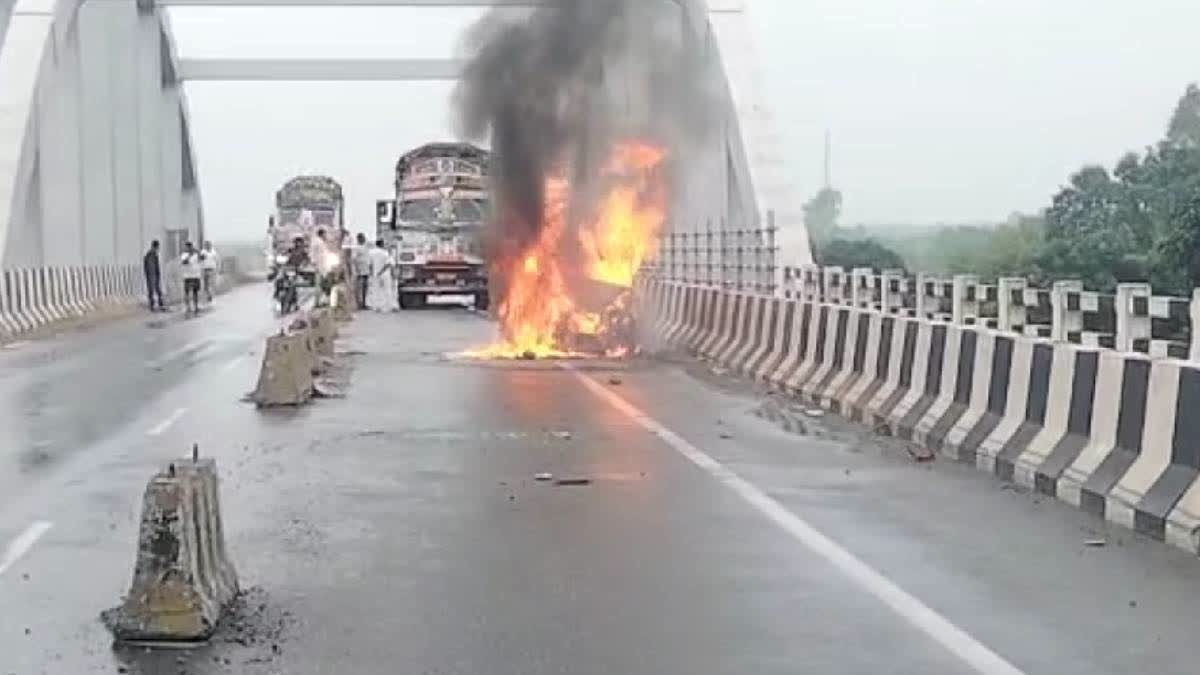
(1136, 221)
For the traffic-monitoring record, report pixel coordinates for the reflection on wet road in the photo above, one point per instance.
(59, 397)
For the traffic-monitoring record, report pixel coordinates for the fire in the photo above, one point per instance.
(541, 315)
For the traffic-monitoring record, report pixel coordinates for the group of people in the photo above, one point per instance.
(375, 276)
(198, 267)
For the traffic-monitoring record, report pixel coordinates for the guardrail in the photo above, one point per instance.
(1132, 319)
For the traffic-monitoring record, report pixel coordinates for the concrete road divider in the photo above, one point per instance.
(1114, 433)
(183, 580)
(286, 377)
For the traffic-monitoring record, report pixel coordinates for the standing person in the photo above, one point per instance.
(361, 260)
(153, 274)
(318, 249)
(382, 295)
(210, 262)
(190, 265)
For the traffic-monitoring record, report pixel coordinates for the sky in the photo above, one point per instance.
(939, 110)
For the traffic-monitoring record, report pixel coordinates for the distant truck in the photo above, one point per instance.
(304, 205)
(435, 223)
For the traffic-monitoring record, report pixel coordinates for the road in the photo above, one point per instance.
(401, 529)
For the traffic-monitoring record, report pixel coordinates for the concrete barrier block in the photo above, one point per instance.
(286, 377)
(183, 580)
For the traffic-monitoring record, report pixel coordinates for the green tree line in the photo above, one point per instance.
(1139, 221)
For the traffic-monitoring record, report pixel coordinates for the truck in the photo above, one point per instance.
(435, 223)
(304, 205)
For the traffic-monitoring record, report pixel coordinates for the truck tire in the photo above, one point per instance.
(412, 301)
(482, 302)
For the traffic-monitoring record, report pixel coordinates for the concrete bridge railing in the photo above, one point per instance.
(1108, 430)
(1131, 319)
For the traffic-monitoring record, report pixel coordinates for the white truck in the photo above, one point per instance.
(435, 223)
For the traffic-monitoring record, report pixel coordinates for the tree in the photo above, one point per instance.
(1184, 129)
(1088, 233)
(821, 214)
(849, 254)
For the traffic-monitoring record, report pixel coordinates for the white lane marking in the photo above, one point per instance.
(21, 545)
(166, 424)
(982, 659)
(170, 356)
(233, 363)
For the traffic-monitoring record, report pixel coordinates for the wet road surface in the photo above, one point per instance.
(401, 529)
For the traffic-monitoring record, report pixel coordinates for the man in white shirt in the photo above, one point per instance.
(210, 262)
(361, 260)
(189, 264)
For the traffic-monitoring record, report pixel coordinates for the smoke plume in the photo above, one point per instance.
(555, 86)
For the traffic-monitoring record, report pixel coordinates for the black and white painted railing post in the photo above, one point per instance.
(891, 291)
(862, 291)
(1132, 308)
(1194, 347)
(964, 303)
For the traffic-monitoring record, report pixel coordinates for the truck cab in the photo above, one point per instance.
(435, 224)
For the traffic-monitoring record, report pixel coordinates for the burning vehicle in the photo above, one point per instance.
(435, 223)
(591, 107)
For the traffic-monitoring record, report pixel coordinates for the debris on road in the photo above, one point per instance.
(920, 454)
(724, 435)
(883, 429)
(1095, 543)
(562, 435)
(615, 381)
(814, 412)
(571, 482)
(528, 356)
(543, 477)
(719, 372)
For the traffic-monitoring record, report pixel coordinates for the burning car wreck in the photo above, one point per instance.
(590, 106)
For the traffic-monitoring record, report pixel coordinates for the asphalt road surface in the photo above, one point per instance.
(401, 529)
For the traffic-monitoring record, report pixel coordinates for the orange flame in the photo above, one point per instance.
(540, 315)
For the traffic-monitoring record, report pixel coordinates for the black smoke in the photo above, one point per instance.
(553, 88)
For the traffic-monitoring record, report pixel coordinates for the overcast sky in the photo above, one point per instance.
(941, 110)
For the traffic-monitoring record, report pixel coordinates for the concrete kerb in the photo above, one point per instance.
(183, 579)
(1112, 433)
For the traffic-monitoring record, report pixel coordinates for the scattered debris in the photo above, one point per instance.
(847, 472)
(920, 454)
(814, 412)
(573, 482)
(726, 435)
(718, 371)
(1095, 543)
(1133, 603)
(543, 477)
(615, 381)
(562, 435)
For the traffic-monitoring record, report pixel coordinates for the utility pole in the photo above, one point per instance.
(828, 159)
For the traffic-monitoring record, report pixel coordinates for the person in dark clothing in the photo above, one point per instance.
(153, 274)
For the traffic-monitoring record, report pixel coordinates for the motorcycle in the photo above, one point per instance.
(287, 293)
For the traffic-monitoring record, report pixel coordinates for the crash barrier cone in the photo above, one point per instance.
(342, 302)
(183, 580)
(323, 330)
(286, 377)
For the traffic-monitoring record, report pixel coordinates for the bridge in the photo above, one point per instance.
(805, 469)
